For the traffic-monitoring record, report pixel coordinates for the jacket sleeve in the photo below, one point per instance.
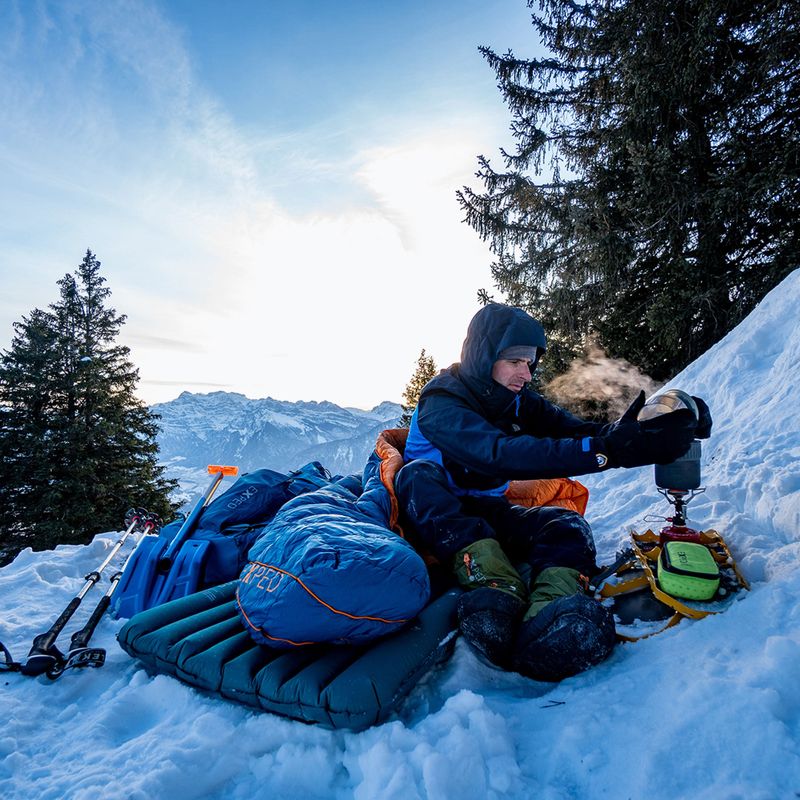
(542, 418)
(463, 435)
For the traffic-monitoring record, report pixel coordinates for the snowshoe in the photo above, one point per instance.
(668, 577)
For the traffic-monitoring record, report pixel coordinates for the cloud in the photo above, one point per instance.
(164, 343)
(302, 267)
(188, 383)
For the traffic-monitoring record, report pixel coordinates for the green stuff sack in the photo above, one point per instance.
(688, 570)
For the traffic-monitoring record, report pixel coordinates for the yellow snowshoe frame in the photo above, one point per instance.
(646, 549)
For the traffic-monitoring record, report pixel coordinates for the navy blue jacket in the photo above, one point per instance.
(483, 433)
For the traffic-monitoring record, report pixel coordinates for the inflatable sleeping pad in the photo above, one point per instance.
(200, 639)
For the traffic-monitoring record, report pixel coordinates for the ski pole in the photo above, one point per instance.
(44, 656)
(80, 654)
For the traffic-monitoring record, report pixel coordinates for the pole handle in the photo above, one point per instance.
(213, 468)
(81, 638)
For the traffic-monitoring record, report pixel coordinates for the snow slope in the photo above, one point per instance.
(709, 710)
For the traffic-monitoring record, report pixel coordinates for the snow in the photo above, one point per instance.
(709, 710)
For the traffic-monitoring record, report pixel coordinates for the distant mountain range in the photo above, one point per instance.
(229, 428)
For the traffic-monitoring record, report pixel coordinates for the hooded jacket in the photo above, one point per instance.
(484, 434)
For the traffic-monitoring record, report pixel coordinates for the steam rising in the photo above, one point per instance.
(599, 386)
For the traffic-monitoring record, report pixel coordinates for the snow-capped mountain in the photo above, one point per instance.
(229, 428)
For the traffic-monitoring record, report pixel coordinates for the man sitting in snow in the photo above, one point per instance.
(477, 426)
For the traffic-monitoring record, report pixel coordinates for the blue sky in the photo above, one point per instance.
(270, 186)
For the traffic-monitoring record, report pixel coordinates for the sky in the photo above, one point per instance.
(269, 186)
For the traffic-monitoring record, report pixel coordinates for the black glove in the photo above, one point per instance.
(655, 441)
(629, 416)
(632, 414)
(704, 421)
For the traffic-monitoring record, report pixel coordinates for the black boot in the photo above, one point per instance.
(570, 634)
(489, 620)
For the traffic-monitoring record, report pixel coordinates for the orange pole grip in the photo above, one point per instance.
(214, 468)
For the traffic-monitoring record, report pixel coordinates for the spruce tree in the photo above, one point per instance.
(78, 448)
(652, 192)
(426, 369)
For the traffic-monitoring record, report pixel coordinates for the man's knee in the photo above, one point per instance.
(433, 512)
(565, 539)
(415, 474)
(568, 520)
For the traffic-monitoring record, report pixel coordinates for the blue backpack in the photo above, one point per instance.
(233, 520)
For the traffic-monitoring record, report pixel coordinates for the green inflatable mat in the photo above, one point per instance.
(200, 640)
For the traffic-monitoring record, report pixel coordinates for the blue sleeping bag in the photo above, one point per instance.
(328, 569)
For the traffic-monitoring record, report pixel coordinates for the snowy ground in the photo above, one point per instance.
(710, 709)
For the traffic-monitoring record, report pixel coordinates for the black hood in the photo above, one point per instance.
(494, 328)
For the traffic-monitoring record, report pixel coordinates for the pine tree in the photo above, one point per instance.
(426, 369)
(652, 192)
(78, 448)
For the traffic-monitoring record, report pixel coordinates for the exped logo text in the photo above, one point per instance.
(262, 576)
(248, 493)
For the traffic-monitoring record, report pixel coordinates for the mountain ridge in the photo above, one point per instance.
(229, 428)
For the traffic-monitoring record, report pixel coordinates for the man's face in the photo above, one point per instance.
(512, 373)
